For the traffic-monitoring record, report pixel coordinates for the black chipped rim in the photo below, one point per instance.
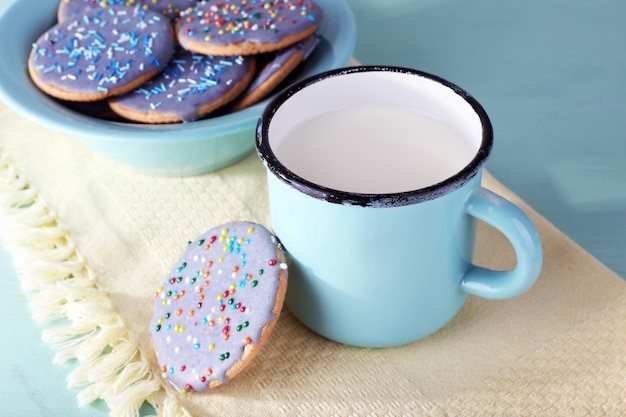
(398, 199)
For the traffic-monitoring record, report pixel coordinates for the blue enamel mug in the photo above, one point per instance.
(374, 181)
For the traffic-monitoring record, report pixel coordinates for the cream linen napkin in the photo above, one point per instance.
(559, 349)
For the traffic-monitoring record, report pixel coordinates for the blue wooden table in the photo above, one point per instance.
(552, 76)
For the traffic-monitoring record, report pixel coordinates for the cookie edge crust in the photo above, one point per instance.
(240, 48)
(251, 351)
(156, 117)
(55, 91)
(270, 84)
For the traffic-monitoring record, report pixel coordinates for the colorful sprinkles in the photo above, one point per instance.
(132, 58)
(224, 22)
(191, 79)
(207, 312)
(102, 50)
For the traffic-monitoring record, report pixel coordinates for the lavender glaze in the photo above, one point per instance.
(69, 9)
(276, 63)
(102, 49)
(225, 22)
(215, 302)
(189, 82)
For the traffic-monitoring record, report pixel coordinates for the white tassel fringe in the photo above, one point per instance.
(84, 327)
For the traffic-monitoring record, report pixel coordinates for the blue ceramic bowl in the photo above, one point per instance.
(180, 149)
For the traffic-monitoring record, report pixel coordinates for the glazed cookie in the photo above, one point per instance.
(69, 9)
(101, 53)
(190, 87)
(246, 27)
(218, 305)
(275, 71)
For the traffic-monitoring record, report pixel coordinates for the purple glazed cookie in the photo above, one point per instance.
(280, 65)
(170, 8)
(101, 53)
(246, 27)
(190, 87)
(218, 305)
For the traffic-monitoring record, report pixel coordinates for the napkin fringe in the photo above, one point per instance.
(62, 292)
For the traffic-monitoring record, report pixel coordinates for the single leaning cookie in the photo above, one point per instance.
(280, 65)
(243, 27)
(218, 306)
(191, 86)
(69, 9)
(101, 53)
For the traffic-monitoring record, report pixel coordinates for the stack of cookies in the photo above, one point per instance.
(168, 61)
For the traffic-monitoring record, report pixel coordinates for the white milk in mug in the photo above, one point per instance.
(374, 149)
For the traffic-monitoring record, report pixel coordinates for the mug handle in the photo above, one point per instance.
(515, 225)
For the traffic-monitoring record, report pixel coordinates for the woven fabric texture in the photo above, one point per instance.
(557, 350)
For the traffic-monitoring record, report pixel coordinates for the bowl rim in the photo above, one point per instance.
(65, 120)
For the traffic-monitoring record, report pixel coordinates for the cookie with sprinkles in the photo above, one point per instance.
(101, 53)
(69, 9)
(246, 27)
(279, 66)
(190, 87)
(218, 305)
